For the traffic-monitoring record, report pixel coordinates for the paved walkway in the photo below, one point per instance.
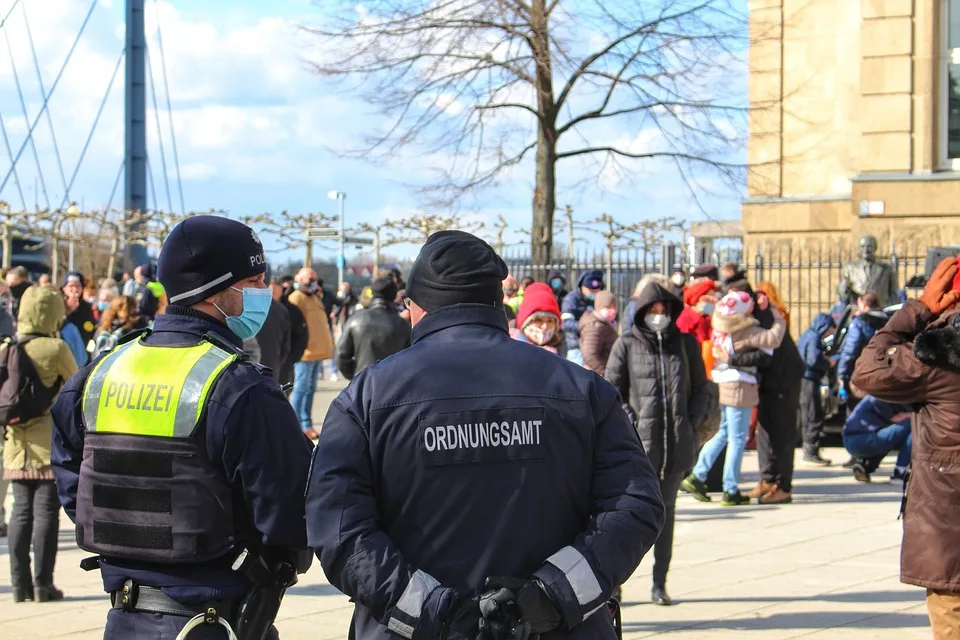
(824, 567)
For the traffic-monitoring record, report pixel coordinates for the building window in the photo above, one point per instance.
(950, 85)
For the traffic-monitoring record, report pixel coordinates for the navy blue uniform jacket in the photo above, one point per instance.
(471, 455)
(250, 428)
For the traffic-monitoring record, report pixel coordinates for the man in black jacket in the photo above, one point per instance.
(274, 339)
(780, 377)
(374, 333)
(299, 333)
(79, 311)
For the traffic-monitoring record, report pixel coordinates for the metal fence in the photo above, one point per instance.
(807, 279)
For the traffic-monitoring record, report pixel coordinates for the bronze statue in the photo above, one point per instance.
(866, 274)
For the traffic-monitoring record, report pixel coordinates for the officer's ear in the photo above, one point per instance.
(417, 313)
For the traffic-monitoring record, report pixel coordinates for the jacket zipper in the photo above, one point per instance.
(663, 389)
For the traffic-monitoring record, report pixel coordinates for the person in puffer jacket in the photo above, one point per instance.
(735, 330)
(659, 372)
(869, 320)
(538, 320)
(598, 332)
(578, 302)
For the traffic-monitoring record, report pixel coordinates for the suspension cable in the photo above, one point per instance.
(36, 67)
(96, 120)
(166, 90)
(156, 113)
(26, 118)
(12, 7)
(16, 178)
(46, 98)
(153, 188)
(116, 183)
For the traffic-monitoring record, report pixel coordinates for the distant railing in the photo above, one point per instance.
(807, 279)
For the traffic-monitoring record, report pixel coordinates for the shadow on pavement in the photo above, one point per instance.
(904, 596)
(314, 590)
(793, 621)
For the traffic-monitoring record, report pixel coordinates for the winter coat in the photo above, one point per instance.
(872, 415)
(557, 484)
(299, 337)
(861, 330)
(912, 362)
(573, 307)
(811, 347)
(319, 341)
(596, 342)
(369, 336)
(739, 386)
(71, 335)
(781, 371)
(82, 318)
(664, 383)
(16, 293)
(26, 452)
(274, 339)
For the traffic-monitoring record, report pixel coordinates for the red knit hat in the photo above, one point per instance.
(537, 298)
(695, 291)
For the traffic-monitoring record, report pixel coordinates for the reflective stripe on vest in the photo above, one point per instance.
(152, 391)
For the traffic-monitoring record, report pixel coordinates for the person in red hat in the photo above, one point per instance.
(538, 319)
(699, 299)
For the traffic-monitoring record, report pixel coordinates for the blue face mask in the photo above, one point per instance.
(556, 284)
(708, 309)
(591, 297)
(102, 306)
(256, 306)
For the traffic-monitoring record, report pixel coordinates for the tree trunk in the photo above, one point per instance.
(544, 193)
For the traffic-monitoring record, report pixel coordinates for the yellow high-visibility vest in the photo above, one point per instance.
(159, 391)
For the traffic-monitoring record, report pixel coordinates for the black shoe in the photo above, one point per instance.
(22, 595)
(899, 473)
(849, 463)
(3, 529)
(49, 594)
(692, 485)
(815, 458)
(860, 472)
(659, 597)
(735, 499)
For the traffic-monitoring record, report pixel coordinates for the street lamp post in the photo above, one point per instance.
(339, 196)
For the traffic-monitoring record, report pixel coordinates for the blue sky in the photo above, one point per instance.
(254, 128)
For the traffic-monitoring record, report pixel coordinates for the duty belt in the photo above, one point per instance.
(134, 597)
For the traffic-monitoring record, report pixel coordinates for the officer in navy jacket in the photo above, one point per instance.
(469, 456)
(235, 483)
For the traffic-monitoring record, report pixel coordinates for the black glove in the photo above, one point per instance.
(462, 621)
(532, 602)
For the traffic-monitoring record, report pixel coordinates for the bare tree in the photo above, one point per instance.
(380, 241)
(418, 228)
(483, 84)
(293, 230)
(646, 234)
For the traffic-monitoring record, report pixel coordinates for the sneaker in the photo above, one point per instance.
(762, 489)
(777, 496)
(860, 472)
(816, 458)
(735, 499)
(692, 485)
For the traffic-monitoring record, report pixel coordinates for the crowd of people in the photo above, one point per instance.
(703, 364)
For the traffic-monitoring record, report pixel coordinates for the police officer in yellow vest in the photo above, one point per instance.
(182, 463)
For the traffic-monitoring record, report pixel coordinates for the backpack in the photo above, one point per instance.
(23, 396)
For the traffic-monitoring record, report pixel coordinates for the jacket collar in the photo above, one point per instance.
(379, 303)
(177, 319)
(460, 314)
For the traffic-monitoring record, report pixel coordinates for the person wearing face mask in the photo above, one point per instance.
(598, 332)
(558, 284)
(698, 299)
(173, 454)
(574, 305)
(538, 320)
(659, 373)
(307, 298)
(735, 330)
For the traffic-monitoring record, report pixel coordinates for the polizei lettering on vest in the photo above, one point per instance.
(479, 435)
(139, 396)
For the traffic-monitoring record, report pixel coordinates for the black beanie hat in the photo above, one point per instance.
(73, 276)
(455, 267)
(204, 255)
(385, 287)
